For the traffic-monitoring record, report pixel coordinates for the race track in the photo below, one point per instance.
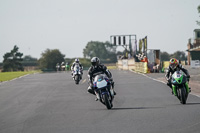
(53, 103)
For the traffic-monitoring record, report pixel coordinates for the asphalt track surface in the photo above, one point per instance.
(52, 103)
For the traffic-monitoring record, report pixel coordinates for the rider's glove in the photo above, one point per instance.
(168, 79)
(91, 85)
(110, 79)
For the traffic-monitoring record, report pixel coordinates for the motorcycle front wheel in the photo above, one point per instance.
(183, 95)
(107, 101)
(76, 78)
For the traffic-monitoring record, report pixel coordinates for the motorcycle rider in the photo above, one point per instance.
(67, 66)
(57, 67)
(95, 69)
(175, 66)
(77, 62)
(62, 66)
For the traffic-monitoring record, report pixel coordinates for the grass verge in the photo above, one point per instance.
(112, 67)
(6, 76)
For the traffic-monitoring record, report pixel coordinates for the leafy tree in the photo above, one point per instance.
(29, 61)
(164, 56)
(179, 55)
(29, 58)
(198, 8)
(105, 51)
(12, 60)
(50, 58)
(120, 53)
(85, 63)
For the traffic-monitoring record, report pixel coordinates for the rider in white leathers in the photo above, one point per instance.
(77, 62)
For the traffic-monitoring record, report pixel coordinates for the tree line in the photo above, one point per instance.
(13, 60)
(179, 55)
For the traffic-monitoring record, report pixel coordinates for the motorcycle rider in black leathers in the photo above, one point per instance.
(95, 69)
(77, 62)
(175, 66)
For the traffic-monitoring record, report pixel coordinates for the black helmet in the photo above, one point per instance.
(95, 61)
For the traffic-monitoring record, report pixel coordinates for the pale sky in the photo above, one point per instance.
(68, 25)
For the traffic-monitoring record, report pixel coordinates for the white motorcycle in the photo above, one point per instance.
(77, 74)
(103, 90)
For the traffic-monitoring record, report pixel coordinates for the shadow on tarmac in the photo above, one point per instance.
(136, 108)
(192, 103)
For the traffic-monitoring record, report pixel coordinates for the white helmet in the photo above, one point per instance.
(77, 60)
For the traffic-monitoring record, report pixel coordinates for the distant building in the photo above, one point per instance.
(194, 50)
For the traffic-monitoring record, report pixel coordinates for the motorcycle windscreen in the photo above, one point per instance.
(101, 84)
(98, 78)
(177, 77)
(100, 81)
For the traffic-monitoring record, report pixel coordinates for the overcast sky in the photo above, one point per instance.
(68, 25)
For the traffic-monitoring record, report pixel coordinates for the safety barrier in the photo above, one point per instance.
(119, 64)
(130, 64)
(165, 64)
(141, 67)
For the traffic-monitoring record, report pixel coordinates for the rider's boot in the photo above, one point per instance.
(172, 92)
(170, 85)
(96, 99)
(113, 84)
(72, 74)
(90, 90)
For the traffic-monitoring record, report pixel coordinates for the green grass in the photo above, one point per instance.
(112, 67)
(5, 76)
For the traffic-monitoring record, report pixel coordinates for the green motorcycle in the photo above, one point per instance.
(67, 67)
(180, 86)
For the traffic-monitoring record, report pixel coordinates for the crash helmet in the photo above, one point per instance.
(77, 60)
(95, 61)
(173, 63)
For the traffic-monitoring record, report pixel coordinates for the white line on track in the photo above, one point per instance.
(83, 81)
